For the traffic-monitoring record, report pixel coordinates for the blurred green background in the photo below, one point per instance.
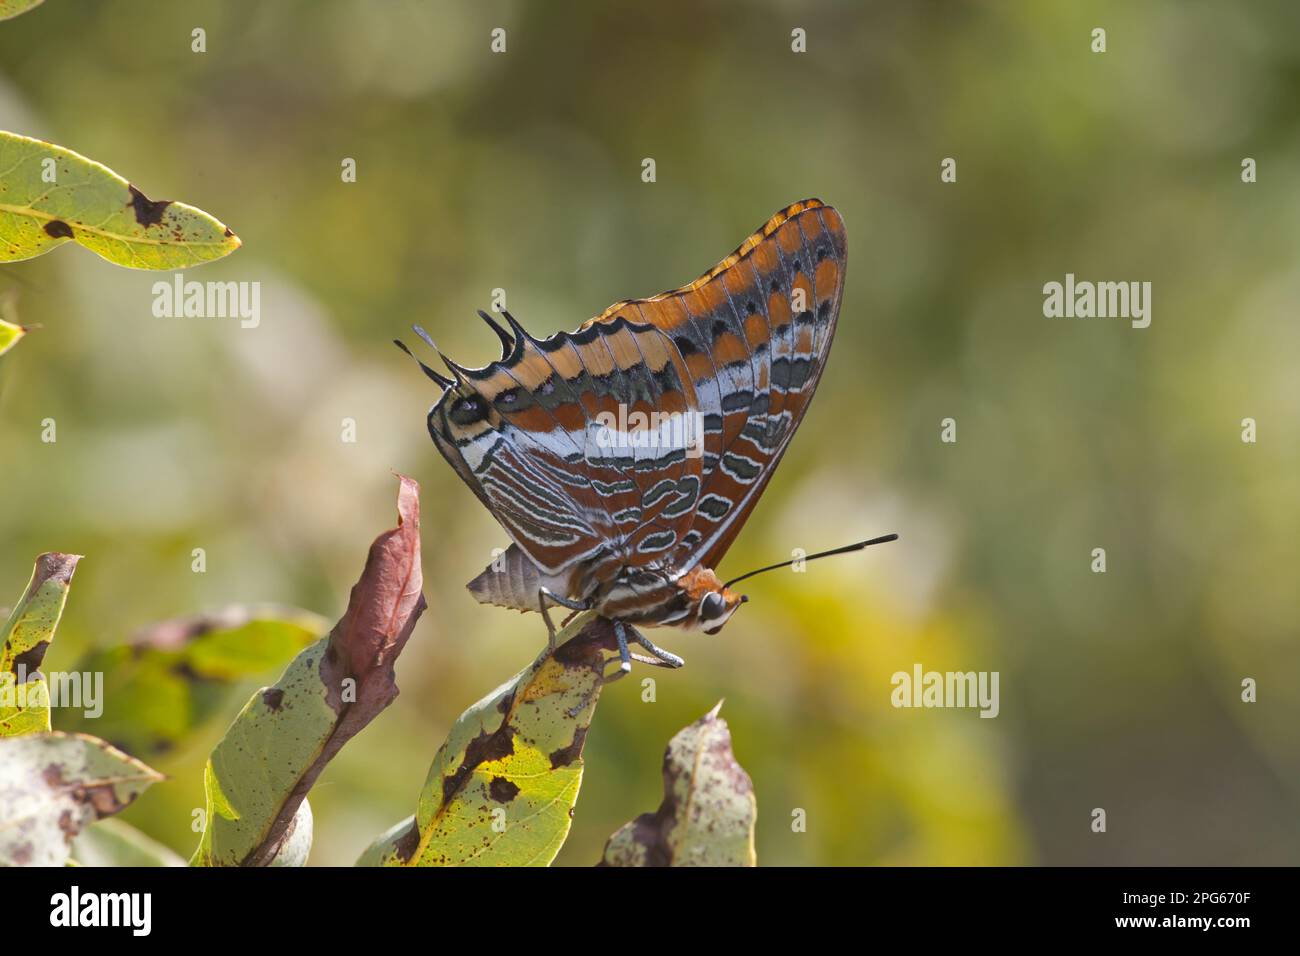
(522, 171)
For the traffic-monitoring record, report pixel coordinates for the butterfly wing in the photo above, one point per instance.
(537, 437)
(754, 332)
(742, 347)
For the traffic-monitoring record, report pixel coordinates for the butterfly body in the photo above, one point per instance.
(631, 520)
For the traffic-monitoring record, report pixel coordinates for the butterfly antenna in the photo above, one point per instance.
(813, 557)
(507, 343)
(442, 380)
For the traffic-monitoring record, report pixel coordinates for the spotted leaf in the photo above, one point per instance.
(50, 195)
(52, 785)
(257, 778)
(708, 812)
(502, 788)
(176, 675)
(24, 639)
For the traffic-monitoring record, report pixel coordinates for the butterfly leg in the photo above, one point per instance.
(546, 594)
(663, 658)
(625, 658)
(624, 655)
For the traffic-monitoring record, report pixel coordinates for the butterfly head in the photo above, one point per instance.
(711, 602)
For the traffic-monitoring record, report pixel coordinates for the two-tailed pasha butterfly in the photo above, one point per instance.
(624, 458)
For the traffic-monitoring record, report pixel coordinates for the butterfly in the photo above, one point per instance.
(623, 458)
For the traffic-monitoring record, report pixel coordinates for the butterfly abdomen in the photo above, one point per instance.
(514, 581)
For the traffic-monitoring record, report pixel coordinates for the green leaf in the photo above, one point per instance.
(502, 788)
(24, 639)
(259, 774)
(9, 335)
(11, 8)
(381, 851)
(176, 675)
(115, 842)
(708, 813)
(53, 785)
(10, 330)
(99, 209)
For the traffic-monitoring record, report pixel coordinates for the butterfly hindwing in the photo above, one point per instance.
(551, 455)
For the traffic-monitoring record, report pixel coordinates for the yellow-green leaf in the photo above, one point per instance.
(258, 776)
(10, 333)
(10, 328)
(114, 842)
(53, 785)
(708, 812)
(91, 204)
(24, 639)
(176, 675)
(502, 788)
(11, 8)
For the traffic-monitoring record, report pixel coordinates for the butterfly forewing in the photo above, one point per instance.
(764, 318)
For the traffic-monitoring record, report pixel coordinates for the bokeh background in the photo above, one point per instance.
(522, 171)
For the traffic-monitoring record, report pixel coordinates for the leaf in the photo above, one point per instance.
(176, 675)
(259, 774)
(114, 842)
(24, 639)
(708, 813)
(99, 209)
(9, 335)
(10, 331)
(11, 8)
(502, 788)
(52, 785)
(382, 850)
